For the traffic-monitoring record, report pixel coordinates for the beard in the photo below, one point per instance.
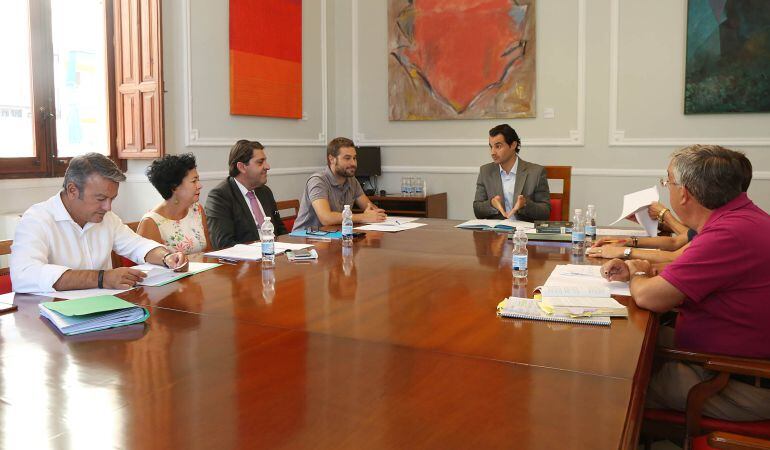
(342, 172)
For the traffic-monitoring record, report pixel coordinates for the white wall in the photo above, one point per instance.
(613, 74)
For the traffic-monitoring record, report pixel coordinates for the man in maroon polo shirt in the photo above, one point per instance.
(720, 284)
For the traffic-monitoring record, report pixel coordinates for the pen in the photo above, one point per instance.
(323, 239)
(228, 261)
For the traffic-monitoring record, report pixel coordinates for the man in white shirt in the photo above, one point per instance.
(238, 206)
(65, 242)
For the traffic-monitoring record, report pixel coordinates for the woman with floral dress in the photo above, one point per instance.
(178, 222)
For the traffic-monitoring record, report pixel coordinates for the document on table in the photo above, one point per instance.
(584, 277)
(159, 276)
(399, 220)
(92, 314)
(493, 224)
(390, 227)
(638, 232)
(636, 203)
(253, 252)
(82, 293)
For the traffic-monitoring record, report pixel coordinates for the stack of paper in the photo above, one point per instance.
(502, 225)
(585, 276)
(92, 314)
(253, 252)
(579, 301)
(527, 308)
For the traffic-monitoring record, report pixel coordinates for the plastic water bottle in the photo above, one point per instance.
(520, 254)
(267, 236)
(578, 233)
(418, 187)
(590, 225)
(347, 226)
(403, 186)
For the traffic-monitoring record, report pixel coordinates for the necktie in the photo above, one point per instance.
(258, 216)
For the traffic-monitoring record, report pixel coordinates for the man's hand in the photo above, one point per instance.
(373, 214)
(608, 252)
(122, 278)
(654, 209)
(521, 202)
(497, 203)
(610, 242)
(615, 270)
(177, 261)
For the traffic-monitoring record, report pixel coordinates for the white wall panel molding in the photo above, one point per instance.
(576, 171)
(617, 138)
(192, 137)
(576, 138)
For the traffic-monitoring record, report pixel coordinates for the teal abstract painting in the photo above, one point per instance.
(728, 56)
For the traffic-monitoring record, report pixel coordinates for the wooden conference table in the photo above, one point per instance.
(392, 344)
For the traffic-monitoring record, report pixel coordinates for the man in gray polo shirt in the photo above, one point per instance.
(328, 191)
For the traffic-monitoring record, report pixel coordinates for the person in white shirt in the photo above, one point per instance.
(65, 242)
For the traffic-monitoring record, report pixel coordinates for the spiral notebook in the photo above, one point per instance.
(527, 308)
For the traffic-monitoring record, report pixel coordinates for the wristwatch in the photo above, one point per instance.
(639, 274)
(626, 253)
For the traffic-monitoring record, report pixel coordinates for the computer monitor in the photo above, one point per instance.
(369, 163)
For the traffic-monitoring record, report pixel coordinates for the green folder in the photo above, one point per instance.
(92, 313)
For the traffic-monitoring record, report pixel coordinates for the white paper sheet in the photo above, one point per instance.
(253, 252)
(636, 203)
(7, 298)
(390, 228)
(638, 232)
(399, 220)
(157, 275)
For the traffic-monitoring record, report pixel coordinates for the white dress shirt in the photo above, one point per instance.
(509, 182)
(48, 242)
(245, 191)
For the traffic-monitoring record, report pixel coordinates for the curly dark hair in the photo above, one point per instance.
(168, 172)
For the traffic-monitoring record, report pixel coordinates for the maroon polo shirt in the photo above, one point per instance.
(725, 274)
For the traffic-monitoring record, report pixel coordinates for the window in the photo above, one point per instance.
(66, 90)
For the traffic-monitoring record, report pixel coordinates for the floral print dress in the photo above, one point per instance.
(185, 235)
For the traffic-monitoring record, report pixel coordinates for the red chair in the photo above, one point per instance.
(122, 261)
(288, 221)
(560, 202)
(691, 424)
(729, 441)
(5, 274)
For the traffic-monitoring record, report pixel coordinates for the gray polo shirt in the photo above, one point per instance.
(323, 185)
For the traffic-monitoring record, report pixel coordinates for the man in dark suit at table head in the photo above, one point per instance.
(720, 285)
(237, 207)
(510, 187)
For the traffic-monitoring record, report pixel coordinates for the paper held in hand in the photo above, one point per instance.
(636, 203)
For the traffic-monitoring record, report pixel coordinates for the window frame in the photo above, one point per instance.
(46, 163)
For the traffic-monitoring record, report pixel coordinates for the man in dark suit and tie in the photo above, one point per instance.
(510, 187)
(237, 207)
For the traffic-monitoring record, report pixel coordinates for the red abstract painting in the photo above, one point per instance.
(266, 58)
(455, 59)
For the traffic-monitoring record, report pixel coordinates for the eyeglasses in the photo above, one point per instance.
(665, 182)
